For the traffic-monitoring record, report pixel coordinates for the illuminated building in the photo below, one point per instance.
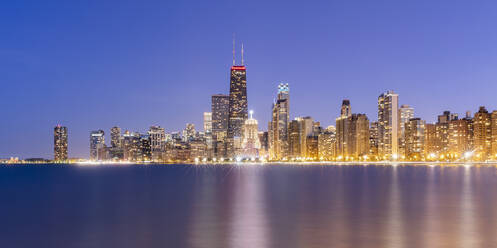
(493, 127)
(482, 134)
(145, 149)
(373, 140)
(220, 114)
(131, 146)
(278, 148)
(388, 125)
(312, 143)
(327, 144)
(432, 142)
(238, 111)
(415, 139)
(115, 137)
(60, 143)
(157, 142)
(442, 128)
(208, 122)
(264, 140)
(460, 137)
(342, 127)
(189, 133)
(405, 113)
(294, 146)
(97, 143)
(358, 136)
(250, 138)
(198, 149)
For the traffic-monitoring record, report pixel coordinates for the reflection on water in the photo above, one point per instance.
(249, 206)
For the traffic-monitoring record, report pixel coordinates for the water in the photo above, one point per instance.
(248, 206)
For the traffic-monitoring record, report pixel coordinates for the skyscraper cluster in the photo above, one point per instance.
(230, 134)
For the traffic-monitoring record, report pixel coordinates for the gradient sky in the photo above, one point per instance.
(94, 64)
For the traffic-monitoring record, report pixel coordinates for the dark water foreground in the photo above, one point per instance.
(248, 206)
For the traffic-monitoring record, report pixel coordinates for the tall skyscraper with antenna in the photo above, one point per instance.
(238, 106)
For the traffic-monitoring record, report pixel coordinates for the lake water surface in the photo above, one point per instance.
(248, 206)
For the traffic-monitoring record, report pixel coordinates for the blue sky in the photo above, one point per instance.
(95, 64)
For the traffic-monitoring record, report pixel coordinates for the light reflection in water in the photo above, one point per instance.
(248, 226)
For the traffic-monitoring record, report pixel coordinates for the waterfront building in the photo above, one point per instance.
(415, 139)
(250, 138)
(388, 125)
(208, 122)
(358, 136)
(405, 114)
(263, 139)
(97, 143)
(312, 147)
(189, 132)
(238, 107)
(482, 128)
(279, 145)
(115, 137)
(373, 140)
(60, 143)
(342, 127)
(131, 146)
(157, 136)
(460, 138)
(220, 115)
(327, 144)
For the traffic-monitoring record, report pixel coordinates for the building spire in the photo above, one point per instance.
(242, 53)
(233, 48)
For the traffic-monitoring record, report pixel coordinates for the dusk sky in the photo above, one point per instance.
(95, 64)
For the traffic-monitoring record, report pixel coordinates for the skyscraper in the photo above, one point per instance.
(97, 143)
(342, 127)
(406, 113)
(220, 115)
(115, 137)
(482, 134)
(415, 139)
(208, 122)
(280, 118)
(238, 107)
(116, 142)
(250, 142)
(157, 142)
(388, 125)
(60, 143)
(189, 132)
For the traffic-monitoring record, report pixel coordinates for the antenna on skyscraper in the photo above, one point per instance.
(242, 53)
(233, 48)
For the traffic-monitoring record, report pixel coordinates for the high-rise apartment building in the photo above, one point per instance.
(460, 138)
(388, 125)
(415, 139)
(405, 114)
(280, 118)
(327, 144)
(115, 137)
(482, 128)
(208, 122)
(358, 136)
(157, 137)
(60, 143)
(97, 144)
(220, 115)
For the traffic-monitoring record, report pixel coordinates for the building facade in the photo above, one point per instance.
(60, 143)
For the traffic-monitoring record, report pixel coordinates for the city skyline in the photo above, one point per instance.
(448, 64)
